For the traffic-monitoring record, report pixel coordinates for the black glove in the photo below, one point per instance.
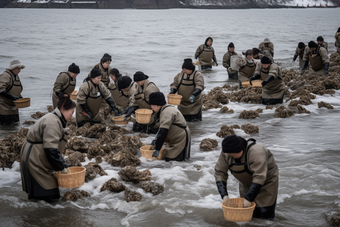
(196, 92)
(304, 65)
(295, 57)
(155, 153)
(87, 113)
(20, 96)
(9, 95)
(267, 80)
(222, 188)
(214, 58)
(55, 159)
(153, 142)
(326, 66)
(173, 90)
(160, 138)
(124, 111)
(254, 77)
(131, 110)
(112, 104)
(58, 93)
(253, 191)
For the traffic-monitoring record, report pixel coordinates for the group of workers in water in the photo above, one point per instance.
(251, 163)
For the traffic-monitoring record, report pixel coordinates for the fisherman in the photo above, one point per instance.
(267, 45)
(233, 74)
(104, 67)
(247, 67)
(65, 82)
(127, 88)
(317, 58)
(299, 52)
(120, 99)
(41, 154)
(189, 83)
(322, 43)
(273, 87)
(255, 168)
(337, 40)
(140, 100)
(10, 90)
(258, 54)
(173, 130)
(90, 97)
(206, 54)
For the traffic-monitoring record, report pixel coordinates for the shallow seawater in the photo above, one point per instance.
(305, 146)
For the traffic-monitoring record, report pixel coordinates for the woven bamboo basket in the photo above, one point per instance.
(147, 153)
(257, 83)
(120, 120)
(143, 116)
(74, 95)
(174, 99)
(246, 84)
(74, 179)
(236, 212)
(23, 102)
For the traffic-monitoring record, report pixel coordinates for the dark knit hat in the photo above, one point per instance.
(188, 64)
(312, 44)
(320, 38)
(207, 39)
(95, 72)
(73, 68)
(106, 57)
(115, 72)
(265, 60)
(139, 76)
(157, 98)
(249, 52)
(301, 45)
(256, 51)
(124, 82)
(233, 144)
(231, 45)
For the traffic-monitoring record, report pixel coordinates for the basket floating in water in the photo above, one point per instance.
(74, 179)
(235, 211)
(174, 99)
(143, 116)
(147, 153)
(23, 102)
(74, 95)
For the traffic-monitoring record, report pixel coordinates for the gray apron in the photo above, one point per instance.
(68, 90)
(316, 61)
(274, 89)
(15, 88)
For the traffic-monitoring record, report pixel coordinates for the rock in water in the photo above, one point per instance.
(208, 144)
(132, 195)
(249, 129)
(74, 195)
(249, 114)
(152, 187)
(225, 131)
(113, 185)
(131, 174)
(92, 169)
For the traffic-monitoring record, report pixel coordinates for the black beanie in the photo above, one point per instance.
(124, 82)
(73, 68)
(95, 72)
(188, 64)
(157, 98)
(139, 76)
(106, 57)
(301, 45)
(231, 45)
(233, 144)
(115, 72)
(265, 60)
(320, 38)
(312, 44)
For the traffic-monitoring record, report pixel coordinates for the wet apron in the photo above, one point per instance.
(70, 86)
(246, 71)
(120, 99)
(105, 74)
(140, 97)
(316, 60)
(274, 89)
(206, 56)
(7, 106)
(94, 100)
(185, 88)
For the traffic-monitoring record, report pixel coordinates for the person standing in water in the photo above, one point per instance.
(322, 43)
(41, 154)
(233, 74)
(120, 99)
(104, 67)
(10, 91)
(65, 82)
(318, 60)
(247, 67)
(267, 45)
(300, 49)
(173, 130)
(337, 40)
(206, 54)
(189, 83)
(255, 168)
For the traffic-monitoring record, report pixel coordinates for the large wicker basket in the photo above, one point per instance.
(174, 99)
(246, 84)
(22, 103)
(74, 95)
(147, 153)
(120, 120)
(74, 179)
(143, 116)
(236, 212)
(255, 84)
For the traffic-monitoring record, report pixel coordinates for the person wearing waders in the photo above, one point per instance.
(173, 130)
(41, 154)
(337, 40)
(140, 100)
(233, 74)
(318, 60)
(273, 87)
(267, 45)
(10, 91)
(247, 67)
(90, 97)
(127, 89)
(65, 82)
(189, 83)
(322, 43)
(299, 53)
(206, 54)
(258, 54)
(104, 67)
(120, 99)
(255, 168)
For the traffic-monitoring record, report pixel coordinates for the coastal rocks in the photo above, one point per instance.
(247, 95)
(304, 100)
(96, 131)
(74, 195)
(226, 110)
(92, 169)
(283, 112)
(75, 159)
(38, 115)
(335, 220)
(113, 185)
(50, 108)
(80, 144)
(28, 122)
(131, 174)
(302, 109)
(251, 114)
(94, 151)
(123, 158)
(208, 144)
(249, 129)
(152, 187)
(132, 195)
(225, 131)
(324, 104)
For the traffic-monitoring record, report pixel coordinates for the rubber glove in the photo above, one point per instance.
(87, 113)
(173, 91)
(246, 203)
(254, 77)
(191, 98)
(326, 65)
(155, 153)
